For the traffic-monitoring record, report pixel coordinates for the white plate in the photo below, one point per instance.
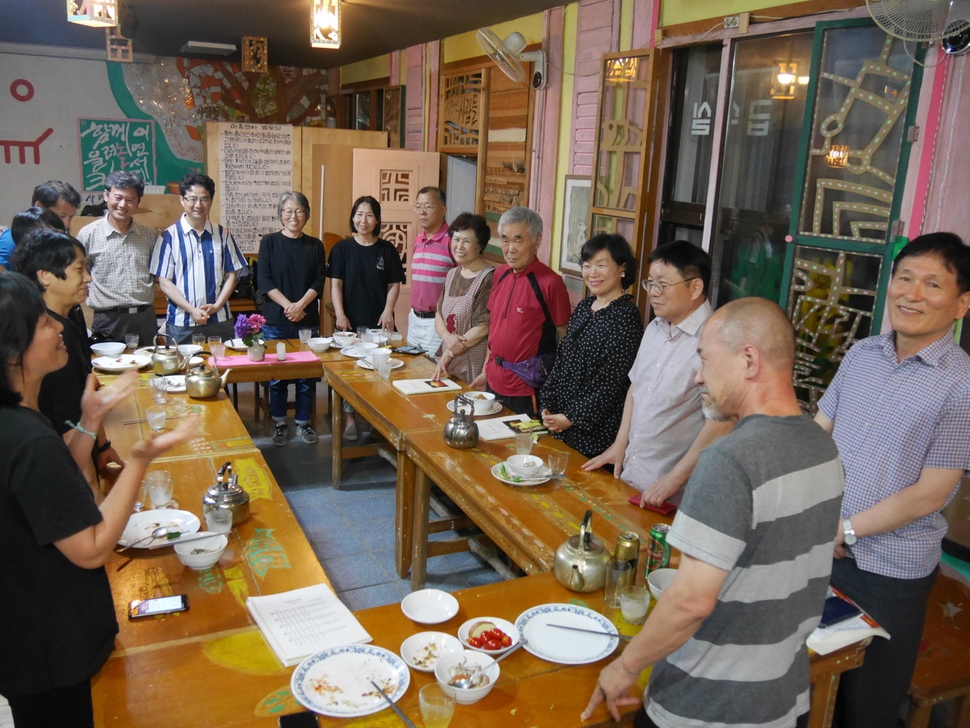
(236, 345)
(395, 364)
(176, 383)
(493, 408)
(429, 606)
(422, 651)
(543, 476)
(121, 363)
(141, 525)
(563, 646)
(336, 682)
(359, 350)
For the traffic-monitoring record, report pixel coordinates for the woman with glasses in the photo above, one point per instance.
(291, 271)
(461, 320)
(582, 400)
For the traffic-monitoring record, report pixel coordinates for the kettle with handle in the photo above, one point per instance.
(582, 562)
(461, 431)
(204, 381)
(167, 359)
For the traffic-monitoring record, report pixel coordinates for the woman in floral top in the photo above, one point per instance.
(582, 400)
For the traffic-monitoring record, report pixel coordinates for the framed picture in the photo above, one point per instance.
(575, 220)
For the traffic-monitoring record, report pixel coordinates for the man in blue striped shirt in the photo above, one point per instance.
(197, 264)
(899, 410)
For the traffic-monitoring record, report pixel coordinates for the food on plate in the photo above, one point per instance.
(428, 655)
(480, 628)
(486, 636)
(473, 674)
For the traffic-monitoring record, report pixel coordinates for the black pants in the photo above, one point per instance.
(68, 707)
(642, 720)
(870, 696)
(525, 405)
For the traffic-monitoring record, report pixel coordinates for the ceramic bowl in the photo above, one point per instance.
(660, 579)
(502, 624)
(429, 606)
(189, 349)
(344, 338)
(525, 466)
(319, 344)
(422, 651)
(108, 348)
(211, 551)
(482, 401)
(466, 696)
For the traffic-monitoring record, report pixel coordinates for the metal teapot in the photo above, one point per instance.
(461, 431)
(203, 381)
(227, 494)
(582, 562)
(167, 359)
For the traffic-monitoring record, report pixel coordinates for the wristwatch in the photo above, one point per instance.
(104, 447)
(849, 536)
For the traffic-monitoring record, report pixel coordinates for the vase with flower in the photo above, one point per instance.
(250, 330)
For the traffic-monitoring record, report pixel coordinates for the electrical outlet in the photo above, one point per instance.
(732, 21)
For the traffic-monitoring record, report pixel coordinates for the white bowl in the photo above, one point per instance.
(189, 349)
(422, 651)
(211, 548)
(319, 344)
(429, 606)
(525, 466)
(660, 579)
(502, 624)
(469, 695)
(108, 348)
(482, 401)
(344, 338)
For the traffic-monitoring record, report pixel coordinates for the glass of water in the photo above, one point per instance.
(159, 389)
(131, 341)
(198, 339)
(216, 347)
(160, 488)
(437, 707)
(305, 335)
(523, 443)
(218, 520)
(156, 418)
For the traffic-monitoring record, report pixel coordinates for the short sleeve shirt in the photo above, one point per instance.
(119, 264)
(430, 262)
(366, 271)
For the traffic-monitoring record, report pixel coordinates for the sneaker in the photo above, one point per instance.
(306, 432)
(280, 437)
(350, 431)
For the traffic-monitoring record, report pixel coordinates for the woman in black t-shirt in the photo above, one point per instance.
(57, 619)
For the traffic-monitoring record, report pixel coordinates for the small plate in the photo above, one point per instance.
(422, 651)
(121, 363)
(503, 624)
(543, 476)
(236, 345)
(359, 350)
(563, 646)
(429, 606)
(336, 682)
(395, 364)
(176, 383)
(141, 524)
(494, 408)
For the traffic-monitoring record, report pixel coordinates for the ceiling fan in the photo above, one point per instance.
(925, 21)
(509, 56)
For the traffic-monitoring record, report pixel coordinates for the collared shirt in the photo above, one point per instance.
(119, 264)
(893, 419)
(430, 262)
(197, 264)
(666, 401)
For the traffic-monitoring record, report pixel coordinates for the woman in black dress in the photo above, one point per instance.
(582, 400)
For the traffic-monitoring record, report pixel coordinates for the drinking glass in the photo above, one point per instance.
(217, 348)
(160, 488)
(523, 443)
(557, 462)
(218, 520)
(156, 418)
(131, 341)
(437, 707)
(619, 575)
(198, 339)
(383, 368)
(141, 501)
(362, 333)
(305, 335)
(159, 389)
(634, 601)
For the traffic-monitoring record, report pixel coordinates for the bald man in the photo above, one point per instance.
(727, 638)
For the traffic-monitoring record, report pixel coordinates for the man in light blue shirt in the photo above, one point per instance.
(58, 197)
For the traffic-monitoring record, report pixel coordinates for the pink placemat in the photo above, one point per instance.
(243, 360)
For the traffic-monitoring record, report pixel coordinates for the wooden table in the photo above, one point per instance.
(393, 416)
(528, 524)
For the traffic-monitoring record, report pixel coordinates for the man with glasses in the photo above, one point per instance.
(430, 262)
(663, 429)
(119, 251)
(197, 264)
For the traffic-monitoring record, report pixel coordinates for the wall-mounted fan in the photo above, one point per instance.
(508, 56)
(925, 21)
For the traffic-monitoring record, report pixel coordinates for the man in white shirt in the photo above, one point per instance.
(663, 429)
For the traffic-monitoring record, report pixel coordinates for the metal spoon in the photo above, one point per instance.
(159, 532)
(465, 683)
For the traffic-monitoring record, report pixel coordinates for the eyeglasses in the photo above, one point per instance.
(424, 208)
(299, 212)
(661, 286)
(199, 200)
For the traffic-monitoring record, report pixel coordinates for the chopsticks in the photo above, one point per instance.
(591, 631)
(400, 713)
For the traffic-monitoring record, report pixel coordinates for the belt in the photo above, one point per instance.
(423, 314)
(125, 309)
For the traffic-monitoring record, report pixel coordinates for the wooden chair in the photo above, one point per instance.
(943, 667)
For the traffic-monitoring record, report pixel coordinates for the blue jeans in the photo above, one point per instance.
(306, 389)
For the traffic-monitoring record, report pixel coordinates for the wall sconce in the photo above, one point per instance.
(837, 156)
(325, 24)
(93, 13)
(783, 84)
(622, 70)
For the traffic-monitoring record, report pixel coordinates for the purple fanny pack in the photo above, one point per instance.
(533, 371)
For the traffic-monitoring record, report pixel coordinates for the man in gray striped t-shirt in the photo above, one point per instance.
(727, 638)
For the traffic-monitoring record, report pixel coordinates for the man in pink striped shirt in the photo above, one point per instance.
(430, 262)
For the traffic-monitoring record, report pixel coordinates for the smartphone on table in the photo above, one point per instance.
(159, 605)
